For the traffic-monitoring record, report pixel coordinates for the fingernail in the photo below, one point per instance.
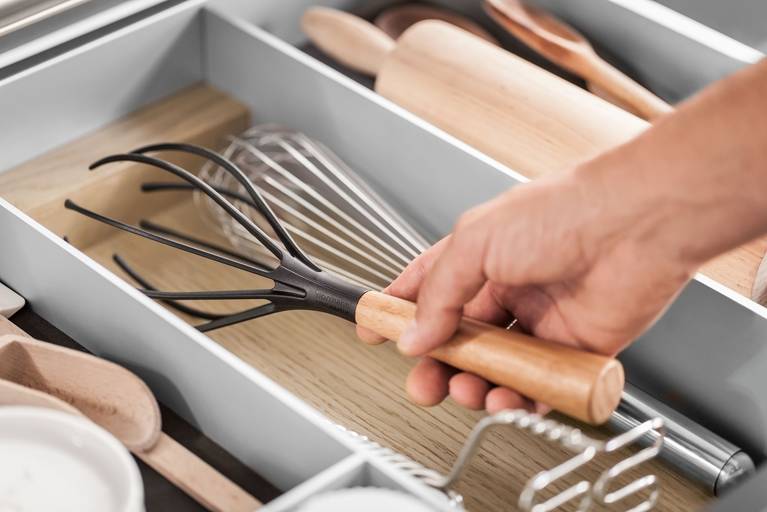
(409, 340)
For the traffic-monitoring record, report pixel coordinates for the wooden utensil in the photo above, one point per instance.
(16, 394)
(566, 47)
(120, 402)
(510, 109)
(395, 20)
(759, 287)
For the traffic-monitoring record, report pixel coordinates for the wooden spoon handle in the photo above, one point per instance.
(580, 384)
(16, 394)
(598, 91)
(624, 89)
(195, 477)
(8, 327)
(349, 39)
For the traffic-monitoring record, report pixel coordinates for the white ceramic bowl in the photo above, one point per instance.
(56, 462)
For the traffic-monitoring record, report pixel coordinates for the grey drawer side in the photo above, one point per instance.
(262, 424)
(99, 82)
(707, 357)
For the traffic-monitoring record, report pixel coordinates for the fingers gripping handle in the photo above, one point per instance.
(580, 384)
(349, 39)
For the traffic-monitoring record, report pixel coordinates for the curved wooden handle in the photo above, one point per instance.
(580, 384)
(349, 39)
(12, 393)
(196, 477)
(618, 85)
(566, 47)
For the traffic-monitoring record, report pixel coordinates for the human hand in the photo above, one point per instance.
(570, 263)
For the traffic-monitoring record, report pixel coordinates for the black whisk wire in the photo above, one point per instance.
(248, 267)
(298, 282)
(215, 320)
(146, 286)
(209, 191)
(258, 201)
(178, 235)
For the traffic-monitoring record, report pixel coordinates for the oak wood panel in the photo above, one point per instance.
(562, 44)
(198, 114)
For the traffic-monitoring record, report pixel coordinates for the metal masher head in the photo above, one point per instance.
(547, 491)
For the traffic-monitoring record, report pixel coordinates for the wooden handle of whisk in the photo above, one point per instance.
(580, 384)
(349, 39)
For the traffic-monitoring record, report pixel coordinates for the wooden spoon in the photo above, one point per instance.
(564, 46)
(395, 20)
(121, 403)
(16, 394)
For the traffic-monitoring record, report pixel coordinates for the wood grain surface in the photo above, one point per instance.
(317, 357)
(519, 114)
(199, 115)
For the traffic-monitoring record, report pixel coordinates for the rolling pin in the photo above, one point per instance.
(515, 112)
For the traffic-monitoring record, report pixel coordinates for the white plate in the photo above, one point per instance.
(58, 462)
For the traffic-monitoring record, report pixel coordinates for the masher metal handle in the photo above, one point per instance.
(581, 384)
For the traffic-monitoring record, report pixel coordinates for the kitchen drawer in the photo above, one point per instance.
(276, 418)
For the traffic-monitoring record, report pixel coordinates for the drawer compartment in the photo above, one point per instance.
(266, 390)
